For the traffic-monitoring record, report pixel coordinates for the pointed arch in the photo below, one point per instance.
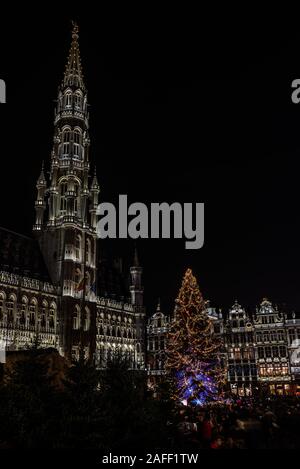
(24, 309)
(11, 306)
(68, 98)
(66, 139)
(76, 318)
(33, 311)
(44, 314)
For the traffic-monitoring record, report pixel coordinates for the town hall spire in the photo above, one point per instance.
(73, 76)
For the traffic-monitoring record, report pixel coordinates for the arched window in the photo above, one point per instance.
(77, 143)
(24, 307)
(63, 199)
(76, 318)
(2, 298)
(11, 308)
(44, 314)
(68, 99)
(32, 311)
(66, 142)
(87, 319)
(78, 247)
(52, 316)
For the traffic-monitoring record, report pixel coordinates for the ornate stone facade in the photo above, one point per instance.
(54, 300)
(259, 350)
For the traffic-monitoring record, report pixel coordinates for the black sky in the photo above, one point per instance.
(191, 108)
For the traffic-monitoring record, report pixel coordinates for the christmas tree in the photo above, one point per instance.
(193, 351)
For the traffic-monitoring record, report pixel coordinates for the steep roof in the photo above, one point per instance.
(21, 255)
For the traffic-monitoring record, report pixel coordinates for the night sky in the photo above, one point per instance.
(185, 108)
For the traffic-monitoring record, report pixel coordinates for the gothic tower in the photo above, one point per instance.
(66, 212)
(136, 289)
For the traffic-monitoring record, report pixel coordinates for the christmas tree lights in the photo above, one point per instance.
(193, 351)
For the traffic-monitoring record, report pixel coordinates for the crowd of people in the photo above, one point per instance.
(244, 423)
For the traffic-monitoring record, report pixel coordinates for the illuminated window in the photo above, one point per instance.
(66, 142)
(24, 307)
(44, 314)
(63, 199)
(68, 99)
(77, 143)
(10, 305)
(32, 312)
(76, 318)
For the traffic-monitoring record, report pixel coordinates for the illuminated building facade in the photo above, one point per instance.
(240, 351)
(157, 329)
(50, 286)
(259, 350)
